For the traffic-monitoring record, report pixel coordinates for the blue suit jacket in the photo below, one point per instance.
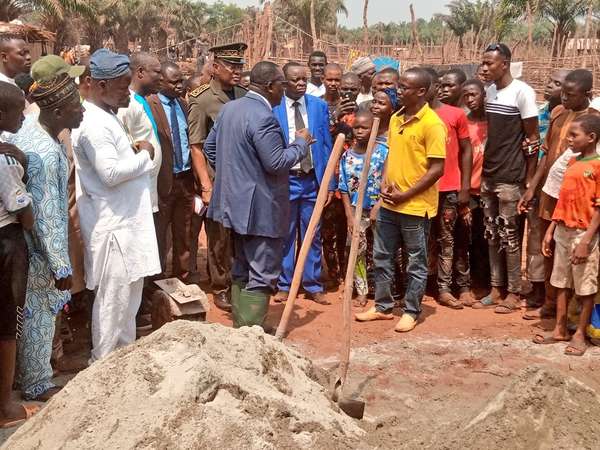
(318, 125)
(251, 188)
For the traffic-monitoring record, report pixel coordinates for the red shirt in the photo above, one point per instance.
(457, 127)
(579, 193)
(478, 134)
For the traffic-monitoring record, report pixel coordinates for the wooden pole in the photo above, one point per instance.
(348, 282)
(365, 26)
(313, 26)
(588, 23)
(269, 17)
(338, 148)
(415, 32)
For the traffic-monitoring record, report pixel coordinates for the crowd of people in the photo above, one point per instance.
(108, 167)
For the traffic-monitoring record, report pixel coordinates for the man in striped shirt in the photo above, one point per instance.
(513, 120)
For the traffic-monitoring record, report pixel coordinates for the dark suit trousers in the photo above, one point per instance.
(176, 209)
(257, 262)
(219, 255)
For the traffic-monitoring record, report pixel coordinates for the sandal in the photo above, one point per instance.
(576, 349)
(507, 307)
(485, 303)
(546, 339)
(30, 410)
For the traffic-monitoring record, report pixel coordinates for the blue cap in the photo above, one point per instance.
(107, 65)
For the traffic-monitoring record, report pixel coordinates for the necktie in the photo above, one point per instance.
(175, 136)
(306, 164)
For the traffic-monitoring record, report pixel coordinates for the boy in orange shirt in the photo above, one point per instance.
(574, 229)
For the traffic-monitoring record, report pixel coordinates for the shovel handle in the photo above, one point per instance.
(336, 153)
(347, 303)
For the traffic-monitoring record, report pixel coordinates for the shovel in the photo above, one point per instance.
(353, 408)
(334, 158)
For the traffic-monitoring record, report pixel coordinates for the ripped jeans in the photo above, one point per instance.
(502, 233)
(453, 238)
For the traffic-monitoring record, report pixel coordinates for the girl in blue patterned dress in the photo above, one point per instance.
(351, 165)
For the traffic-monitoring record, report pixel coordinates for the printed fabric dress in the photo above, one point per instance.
(47, 172)
(351, 165)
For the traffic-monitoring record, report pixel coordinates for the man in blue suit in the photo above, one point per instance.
(296, 111)
(250, 191)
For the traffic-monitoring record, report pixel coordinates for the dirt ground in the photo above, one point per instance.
(439, 376)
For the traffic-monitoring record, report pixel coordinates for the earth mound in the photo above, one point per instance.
(193, 385)
(541, 409)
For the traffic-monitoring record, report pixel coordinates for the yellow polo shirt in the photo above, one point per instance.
(411, 143)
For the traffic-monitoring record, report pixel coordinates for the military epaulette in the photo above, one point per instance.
(199, 90)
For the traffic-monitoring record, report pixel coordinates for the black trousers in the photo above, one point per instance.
(14, 265)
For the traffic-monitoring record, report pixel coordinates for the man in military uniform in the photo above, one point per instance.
(205, 103)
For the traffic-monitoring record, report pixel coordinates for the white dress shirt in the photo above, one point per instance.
(291, 118)
(257, 95)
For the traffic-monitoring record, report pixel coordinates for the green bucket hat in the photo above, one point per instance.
(51, 66)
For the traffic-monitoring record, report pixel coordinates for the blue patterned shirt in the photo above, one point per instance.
(47, 171)
(351, 165)
(544, 120)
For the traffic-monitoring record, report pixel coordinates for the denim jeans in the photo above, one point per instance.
(392, 231)
(502, 233)
(453, 239)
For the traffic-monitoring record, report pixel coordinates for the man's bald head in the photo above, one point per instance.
(142, 59)
(14, 56)
(146, 73)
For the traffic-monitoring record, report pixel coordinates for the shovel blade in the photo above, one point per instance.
(353, 408)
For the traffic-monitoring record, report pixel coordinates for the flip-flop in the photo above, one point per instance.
(485, 303)
(576, 349)
(507, 307)
(547, 339)
(30, 410)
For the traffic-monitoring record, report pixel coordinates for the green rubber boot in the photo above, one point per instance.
(250, 308)
(236, 287)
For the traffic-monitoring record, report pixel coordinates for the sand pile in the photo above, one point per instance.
(541, 409)
(193, 386)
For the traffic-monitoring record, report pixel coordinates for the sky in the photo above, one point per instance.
(379, 10)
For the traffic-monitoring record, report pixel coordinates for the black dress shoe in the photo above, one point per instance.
(223, 301)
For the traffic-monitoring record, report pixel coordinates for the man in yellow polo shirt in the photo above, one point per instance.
(409, 196)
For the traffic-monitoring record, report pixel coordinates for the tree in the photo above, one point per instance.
(562, 14)
(458, 21)
(51, 14)
(298, 13)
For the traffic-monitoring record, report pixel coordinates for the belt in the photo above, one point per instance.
(183, 174)
(301, 173)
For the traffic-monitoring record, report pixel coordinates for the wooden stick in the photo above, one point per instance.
(338, 148)
(348, 282)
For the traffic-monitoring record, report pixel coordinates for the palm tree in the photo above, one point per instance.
(458, 21)
(562, 14)
(51, 14)
(298, 13)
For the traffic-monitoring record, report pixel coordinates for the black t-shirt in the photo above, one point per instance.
(504, 160)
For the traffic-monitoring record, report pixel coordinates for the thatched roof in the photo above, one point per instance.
(29, 33)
